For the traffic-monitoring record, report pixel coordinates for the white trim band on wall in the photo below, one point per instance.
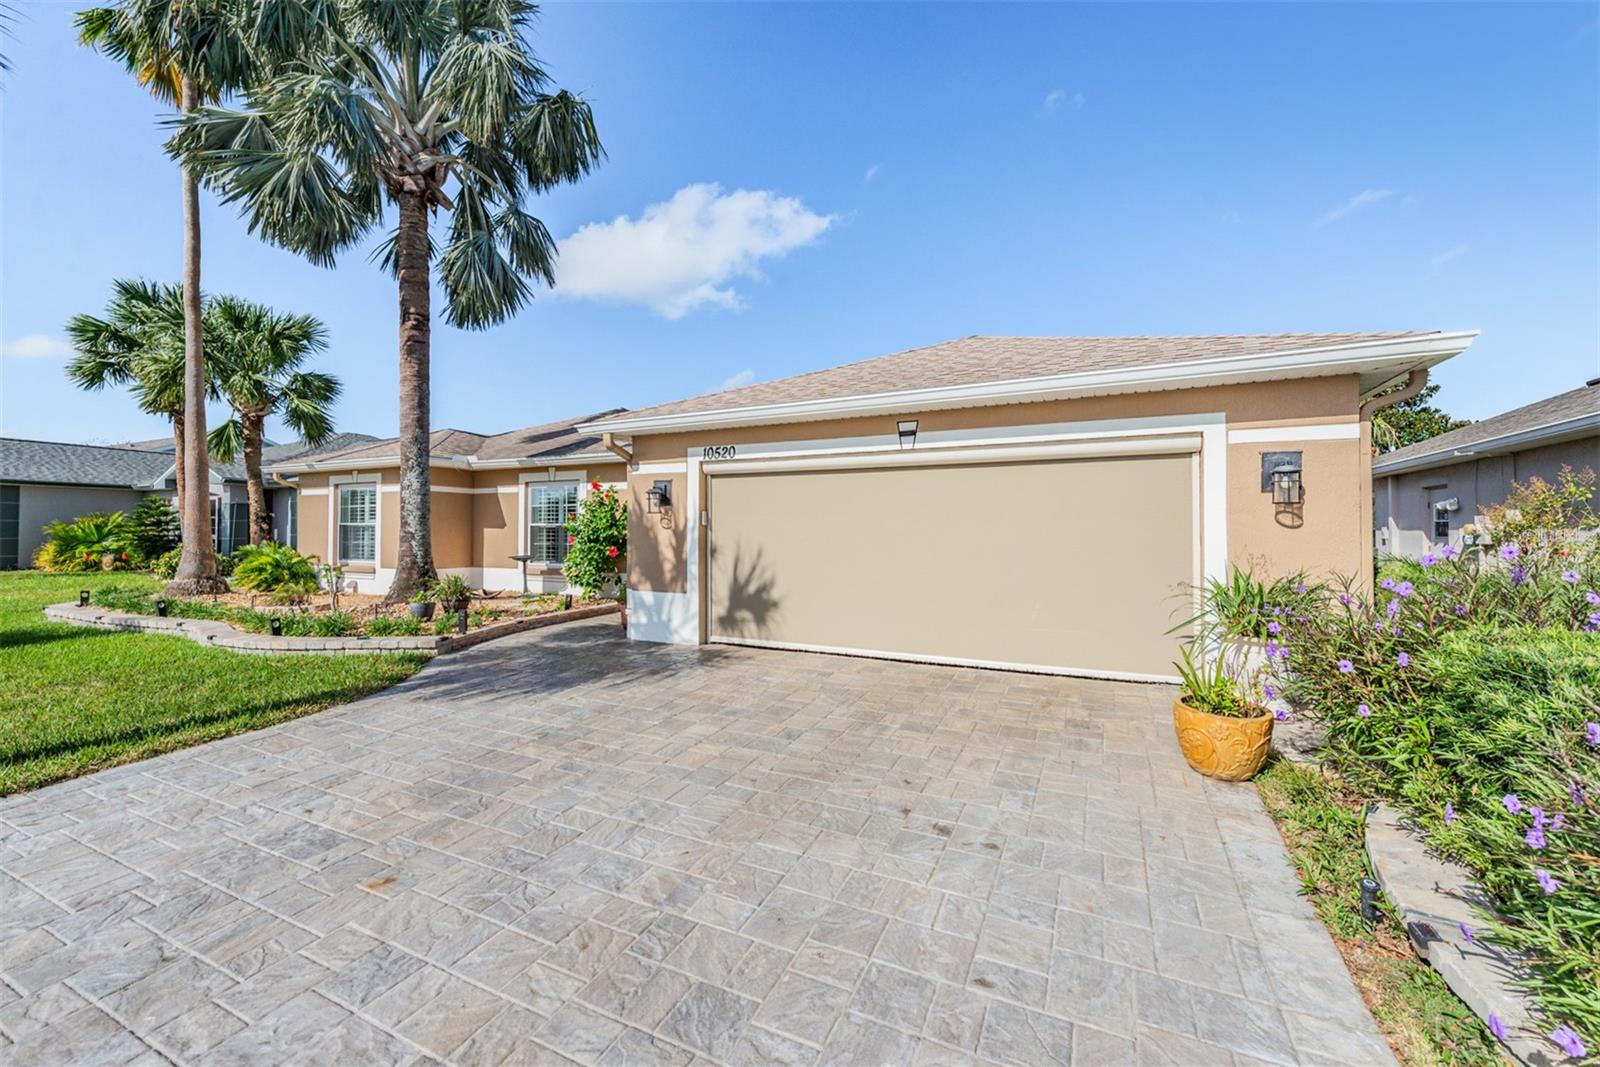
(1127, 446)
(1332, 431)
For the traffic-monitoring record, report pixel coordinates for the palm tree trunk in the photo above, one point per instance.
(250, 425)
(177, 466)
(414, 567)
(197, 569)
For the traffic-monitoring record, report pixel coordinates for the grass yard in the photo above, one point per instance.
(1321, 821)
(74, 700)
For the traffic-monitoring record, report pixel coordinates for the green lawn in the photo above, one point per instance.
(74, 700)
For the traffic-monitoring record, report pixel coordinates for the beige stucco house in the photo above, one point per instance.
(1038, 503)
(494, 497)
(1425, 493)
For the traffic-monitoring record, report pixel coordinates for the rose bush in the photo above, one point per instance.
(597, 540)
(1467, 691)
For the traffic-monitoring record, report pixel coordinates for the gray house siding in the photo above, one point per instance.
(41, 504)
(1403, 511)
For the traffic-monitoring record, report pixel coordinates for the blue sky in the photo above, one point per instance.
(794, 186)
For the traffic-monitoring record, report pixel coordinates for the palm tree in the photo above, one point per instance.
(255, 355)
(138, 343)
(184, 52)
(428, 106)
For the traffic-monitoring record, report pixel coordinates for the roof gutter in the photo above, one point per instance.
(1415, 381)
(1395, 355)
(610, 443)
(454, 462)
(1489, 446)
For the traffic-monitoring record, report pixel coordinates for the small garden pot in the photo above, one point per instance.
(423, 611)
(1225, 747)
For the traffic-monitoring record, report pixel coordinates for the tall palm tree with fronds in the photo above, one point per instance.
(256, 354)
(184, 52)
(427, 106)
(138, 343)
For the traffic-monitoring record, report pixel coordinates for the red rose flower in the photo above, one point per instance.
(572, 539)
(612, 551)
(595, 486)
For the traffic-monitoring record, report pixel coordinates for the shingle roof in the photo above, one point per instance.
(59, 463)
(977, 360)
(1552, 411)
(550, 441)
(293, 450)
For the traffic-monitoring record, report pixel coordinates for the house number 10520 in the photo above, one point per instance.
(718, 452)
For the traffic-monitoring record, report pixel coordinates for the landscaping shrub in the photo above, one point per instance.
(274, 569)
(597, 541)
(1245, 606)
(1536, 512)
(153, 527)
(393, 626)
(165, 566)
(98, 541)
(452, 592)
(1469, 694)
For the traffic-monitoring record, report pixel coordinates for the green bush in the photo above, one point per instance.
(153, 527)
(597, 541)
(1245, 606)
(98, 541)
(165, 566)
(1470, 695)
(393, 626)
(452, 592)
(275, 569)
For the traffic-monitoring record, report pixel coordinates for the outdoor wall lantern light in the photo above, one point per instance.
(275, 626)
(908, 432)
(658, 497)
(1280, 476)
(83, 598)
(161, 608)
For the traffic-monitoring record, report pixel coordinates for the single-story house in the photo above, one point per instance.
(494, 498)
(46, 481)
(1042, 503)
(1423, 494)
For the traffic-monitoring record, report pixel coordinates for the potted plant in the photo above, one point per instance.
(452, 592)
(421, 606)
(1222, 733)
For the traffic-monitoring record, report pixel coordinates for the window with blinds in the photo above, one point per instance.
(549, 508)
(358, 524)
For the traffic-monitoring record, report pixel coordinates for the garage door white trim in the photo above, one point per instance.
(676, 617)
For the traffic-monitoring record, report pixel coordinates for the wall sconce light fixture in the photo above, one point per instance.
(1280, 476)
(658, 497)
(907, 429)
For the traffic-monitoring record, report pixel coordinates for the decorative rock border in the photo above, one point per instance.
(221, 635)
(1433, 898)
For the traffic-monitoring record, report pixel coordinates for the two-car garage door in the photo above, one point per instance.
(1075, 564)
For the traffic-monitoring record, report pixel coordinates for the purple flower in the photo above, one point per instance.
(1404, 588)
(1387, 583)
(1403, 659)
(1269, 692)
(1535, 838)
(1591, 732)
(1461, 609)
(1594, 618)
(1496, 1027)
(1450, 815)
(1519, 574)
(1281, 715)
(1558, 821)
(1538, 815)
(1510, 551)
(1363, 711)
(1344, 598)
(1575, 791)
(1428, 559)
(1547, 883)
(1346, 667)
(1300, 587)
(1570, 1042)
(1466, 932)
(1393, 608)
(1274, 627)
(1513, 805)
(1592, 597)
(1570, 577)
(1449, 552)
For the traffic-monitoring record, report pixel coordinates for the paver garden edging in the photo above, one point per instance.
(1433, 899)
(221, 635)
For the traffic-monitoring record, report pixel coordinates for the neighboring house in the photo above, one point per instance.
(494, 497)
(1046, 504)
(43, 481)
(1424, 493)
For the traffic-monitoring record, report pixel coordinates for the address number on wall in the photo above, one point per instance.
(718, 451)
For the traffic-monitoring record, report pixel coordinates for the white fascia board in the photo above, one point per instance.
(577, 459)
(1389, 356)
(1550, 433)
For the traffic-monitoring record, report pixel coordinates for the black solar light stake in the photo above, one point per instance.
(461, 621)
(1369, 900)
(275, 626)
(83, 598)
(161, 608)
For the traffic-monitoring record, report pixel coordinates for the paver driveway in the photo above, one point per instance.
(560, 846)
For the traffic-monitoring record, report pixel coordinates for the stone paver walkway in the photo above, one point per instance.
(561, 847)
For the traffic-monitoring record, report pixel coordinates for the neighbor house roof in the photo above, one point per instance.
(553, 442)
(992, 370)
(297, 450)
(60, 463)
(1557, 418)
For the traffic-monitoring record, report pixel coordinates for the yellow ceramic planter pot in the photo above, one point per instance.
(1223, 746)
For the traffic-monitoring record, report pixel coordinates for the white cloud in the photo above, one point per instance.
(1450, 253)
(1364, 199)
(738, 381)
(681, 254)
(1057, 99)
(872, 172)
(36, 346)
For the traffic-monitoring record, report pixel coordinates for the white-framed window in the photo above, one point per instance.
(550, 505)
(358, 523)
(216, 523)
